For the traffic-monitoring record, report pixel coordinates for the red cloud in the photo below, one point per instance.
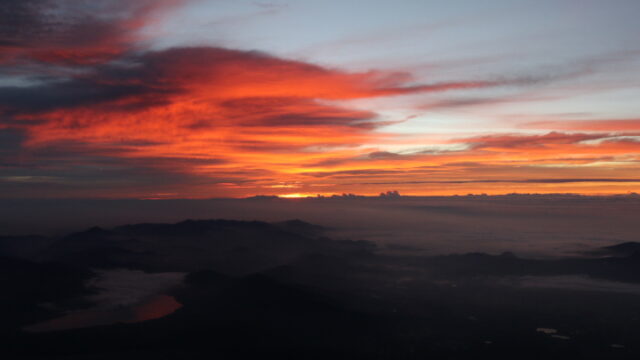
(205, 111)
(197, 93)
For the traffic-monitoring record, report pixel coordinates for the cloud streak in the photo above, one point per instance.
(587, 125)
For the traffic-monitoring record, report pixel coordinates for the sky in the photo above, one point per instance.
(155, 99)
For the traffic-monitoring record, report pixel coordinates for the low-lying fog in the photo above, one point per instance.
(527, 225)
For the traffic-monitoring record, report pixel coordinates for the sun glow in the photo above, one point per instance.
(294, 196)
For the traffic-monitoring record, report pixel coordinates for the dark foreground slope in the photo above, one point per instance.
(254, 289)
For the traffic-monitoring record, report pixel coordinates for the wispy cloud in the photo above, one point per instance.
(587, 125)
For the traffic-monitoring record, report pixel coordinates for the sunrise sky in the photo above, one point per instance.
(211, 98)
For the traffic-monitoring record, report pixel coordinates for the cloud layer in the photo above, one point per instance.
(93, 111)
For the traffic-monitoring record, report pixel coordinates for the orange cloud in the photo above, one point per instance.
(553, 162)
(235, 109)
